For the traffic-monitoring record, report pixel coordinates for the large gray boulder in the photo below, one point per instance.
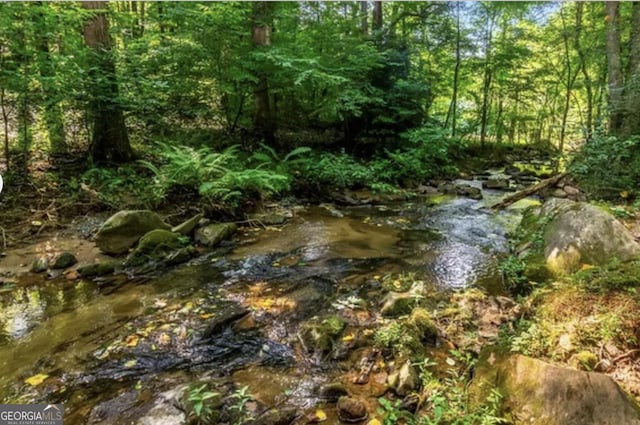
(579, 233)
(538, 393)
(122, 230)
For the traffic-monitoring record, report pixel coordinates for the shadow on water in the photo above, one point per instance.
(236, 317)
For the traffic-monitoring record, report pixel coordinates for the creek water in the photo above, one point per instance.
(107, 354)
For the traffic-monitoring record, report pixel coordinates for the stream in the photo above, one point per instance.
(232, 317)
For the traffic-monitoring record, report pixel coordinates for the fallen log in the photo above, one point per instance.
(542, 184)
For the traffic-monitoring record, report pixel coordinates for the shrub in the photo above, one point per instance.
(607, 166)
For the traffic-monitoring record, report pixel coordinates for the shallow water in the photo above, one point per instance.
(117, 349)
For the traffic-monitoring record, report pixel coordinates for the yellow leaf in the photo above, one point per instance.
(132, 340)
(624, 194)
(397, 284)
(377, 277)
(586, 266)
(320, 416)
(348, 338)
(36, 379)
(374, 421)
(206, 315)
(130, 363)
(164, 339)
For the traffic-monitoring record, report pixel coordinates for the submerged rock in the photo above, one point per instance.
(538, 393)
(64, 260)
(352, 410)
(333, 391)
(212, 234)
(578, 233)
(501, 183)
(281, 416)
(122, 230)
(224, 318)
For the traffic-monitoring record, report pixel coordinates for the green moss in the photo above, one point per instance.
(613, 276)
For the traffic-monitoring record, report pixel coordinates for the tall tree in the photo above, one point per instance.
(263, 123)
(615, 77)
(52, 108)
(110, 141)
(631, 123)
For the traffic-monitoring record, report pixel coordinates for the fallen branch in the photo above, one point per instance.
(541, 185)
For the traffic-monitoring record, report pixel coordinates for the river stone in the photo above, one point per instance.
(537, 393)
(468, 191)
(187, 227)
(224, 318)
(64, 260)
(212, 234)
(501, 183)
(579, 233)
(122, 230)
(405, 380)
(39, 265)
(352, 410)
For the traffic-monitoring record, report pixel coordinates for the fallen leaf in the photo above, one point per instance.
(318, 416)
(206, 315)
(450, 361)
(587, 266)
(132, 340)
(164, 339)
(374, 421)
(36, 379)
(131, 363)
(348, 338)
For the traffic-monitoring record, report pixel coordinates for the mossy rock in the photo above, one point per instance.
(98, 269)
(122, 230)
(319, 335)
(212, 234)
(538, 393)
(159, 239)
(427, 329)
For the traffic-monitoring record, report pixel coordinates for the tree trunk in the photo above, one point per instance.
(571, 78)
(5, 122)
(456, 75)
(110, 141)
(364, 18)
(486, 85)
(377, 16)
(263, 125)
(584, 71)
(631, 125)
(616, 83)
(52, 109)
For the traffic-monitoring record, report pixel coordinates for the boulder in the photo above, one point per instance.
(187, 227)
(352, 410)
(405, 380)
(212, 234)
(64, 260)
(122, 230)
(538, 393)
(578, 233)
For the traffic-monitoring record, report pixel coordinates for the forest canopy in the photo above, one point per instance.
(371, 93)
